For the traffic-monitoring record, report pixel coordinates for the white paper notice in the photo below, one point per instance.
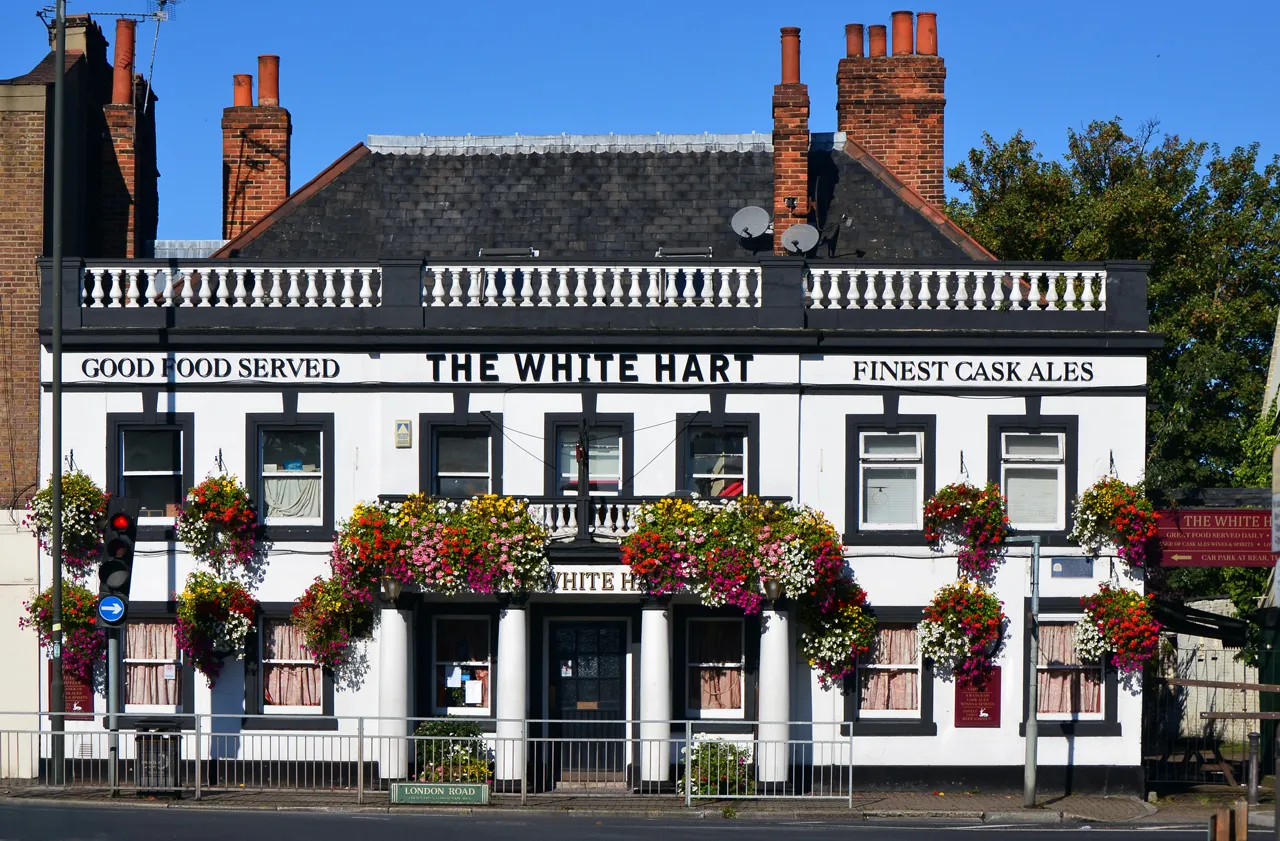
(454, 678)
(474, 693)
(170, 671)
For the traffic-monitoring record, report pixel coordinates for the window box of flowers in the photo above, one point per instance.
(1114, 513)
(962, 630)
(975, 520)
(84, 507)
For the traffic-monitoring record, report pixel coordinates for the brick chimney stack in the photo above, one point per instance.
(790, 142)
(891, 105)
(255, 150)
(127, 214)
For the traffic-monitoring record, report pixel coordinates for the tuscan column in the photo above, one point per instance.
(393, 692)
(512, 705)
(775, 696)
(655, 691)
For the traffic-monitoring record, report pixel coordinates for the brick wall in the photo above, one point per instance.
(790, 159)
(22, 224)
(255, 164)
(892, 106)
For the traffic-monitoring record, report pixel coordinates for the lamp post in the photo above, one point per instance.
(1033, 683)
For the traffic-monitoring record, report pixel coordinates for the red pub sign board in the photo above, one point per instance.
(1214, 537)
(979, 706)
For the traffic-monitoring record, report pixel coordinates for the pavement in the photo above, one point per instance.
(991, 808)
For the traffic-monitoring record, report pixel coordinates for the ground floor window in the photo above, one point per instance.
(715, 662)
(889, 676)
(152, 667)
(292, 682)
(1068, 685)
(462, 665)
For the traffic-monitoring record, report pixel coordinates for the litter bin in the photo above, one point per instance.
(159, 747)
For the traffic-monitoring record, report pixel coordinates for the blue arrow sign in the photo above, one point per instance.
(111, 608)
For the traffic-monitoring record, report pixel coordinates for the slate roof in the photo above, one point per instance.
(43, 73)
(616, 198)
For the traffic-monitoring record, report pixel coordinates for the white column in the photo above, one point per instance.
(775, 697)
(393, 693)
(655, 692)
(512, 705)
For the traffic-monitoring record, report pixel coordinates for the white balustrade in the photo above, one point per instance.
(590, 286)
(114, 287)
(997, 289)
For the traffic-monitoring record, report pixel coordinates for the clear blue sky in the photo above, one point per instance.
(500, 67)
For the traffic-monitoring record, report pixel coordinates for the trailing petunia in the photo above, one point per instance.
(219, 526)
(82, 646)
(370, 545)
(331, 621)
(214, 618)
(84, 507)
(975, 519)
(962, 630)
(1119, 621)
(1113, 512)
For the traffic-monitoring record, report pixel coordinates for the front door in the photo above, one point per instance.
(588, 699)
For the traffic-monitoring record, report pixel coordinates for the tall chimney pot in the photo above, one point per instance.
(902, 33)
(122, 75)
(243, 83)
(790, 55)
(853, 40)
(269, 80)
(927, 33)
(876, 35)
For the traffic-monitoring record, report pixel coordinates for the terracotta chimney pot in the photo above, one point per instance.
(269, 80)
(853, 40)
(927, 33)
(876, 35)
(122, 74)
(790, 55)
(243, 90)
(903, 34)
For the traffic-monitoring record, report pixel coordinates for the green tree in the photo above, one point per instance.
(1210, 225)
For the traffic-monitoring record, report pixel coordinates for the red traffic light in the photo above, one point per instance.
(120, 522)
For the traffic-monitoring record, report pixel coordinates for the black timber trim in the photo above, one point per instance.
(681, 615)
(426, 612)
(1109, 724)
(153, 611)
(855, 425)
(749, 424)
(119, 422)
(1069, 425)
(254, 424)
(922, 724)
(430, 424)
(555, 421)
(255, 718)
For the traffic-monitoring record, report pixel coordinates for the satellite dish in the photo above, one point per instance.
(799, 239)
(751, 222)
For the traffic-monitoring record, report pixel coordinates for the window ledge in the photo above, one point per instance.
(890, 727)
(290, 722)
(885, 538)
(1085, 728)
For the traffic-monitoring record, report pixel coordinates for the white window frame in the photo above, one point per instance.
(1057, 463)
(264, 661)
(918, 668)
(565, 478)
(1101, 714)
(740, 666)
(472, 712)
(746, 456)
(263, 474)
(866, 460)
(124, 474)
(487, 475)
(126, 661)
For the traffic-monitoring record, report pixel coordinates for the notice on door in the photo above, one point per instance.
(979, 706)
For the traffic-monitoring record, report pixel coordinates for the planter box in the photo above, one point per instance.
(452, 793)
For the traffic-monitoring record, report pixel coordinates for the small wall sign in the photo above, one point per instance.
(469, 793)
(979, 706)
(1071, 567)
(404, 434)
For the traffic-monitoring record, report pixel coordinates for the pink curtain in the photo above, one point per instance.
(289, 684)
(1070, 685)
(889, 688)
(145, 683)
(717, 689)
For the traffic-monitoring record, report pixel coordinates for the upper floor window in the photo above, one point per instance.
(716, 461)
(151, 469)
(292, 463)
(890, 480)
(1033, 476)
(602, 452)
(463, 462)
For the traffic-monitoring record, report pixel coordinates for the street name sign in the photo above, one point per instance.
(451, 793)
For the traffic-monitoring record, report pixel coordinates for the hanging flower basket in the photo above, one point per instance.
(974, 519)
(219, 526)
(214, 618)
(722, 553)
(962, 630)
(84, 506)
(370, 545)
(82, 646)
(1118, 621)
(1114, 513)
(331, 621)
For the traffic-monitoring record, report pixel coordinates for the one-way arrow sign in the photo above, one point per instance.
(111, 609)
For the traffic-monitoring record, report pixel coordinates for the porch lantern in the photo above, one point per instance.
(772, 589)
(390, 588)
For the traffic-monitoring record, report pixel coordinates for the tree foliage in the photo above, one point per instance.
(1210, 225)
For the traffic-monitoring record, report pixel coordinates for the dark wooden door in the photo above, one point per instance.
(588, 697)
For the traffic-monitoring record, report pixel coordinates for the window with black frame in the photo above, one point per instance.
(150, 469)
(463, 463)
(716, 461)
(292, 470)
(602, 452)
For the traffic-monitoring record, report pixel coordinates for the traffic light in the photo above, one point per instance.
(116, 569)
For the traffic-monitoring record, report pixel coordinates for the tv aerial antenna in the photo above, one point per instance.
(800, 239)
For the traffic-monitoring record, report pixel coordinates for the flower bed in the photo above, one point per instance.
(82, 646)
(214, 618)
(962, 630)
(1113, 512)
(219, 526)
(718, 767)
(975, 519)
(451, 752)
(1119, 621)
(84, 506)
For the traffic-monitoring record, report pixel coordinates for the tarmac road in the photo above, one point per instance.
(59, 822)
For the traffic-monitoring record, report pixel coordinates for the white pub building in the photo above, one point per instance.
(448, 314)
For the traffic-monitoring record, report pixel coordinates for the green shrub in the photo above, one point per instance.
(719, 768)
(452, 752)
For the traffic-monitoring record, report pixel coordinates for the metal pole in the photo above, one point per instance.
(199, 770)
(113, 708)
(1255, 742)
(57, 699)
(524, 764)
(360, 760)
(1033, 683)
